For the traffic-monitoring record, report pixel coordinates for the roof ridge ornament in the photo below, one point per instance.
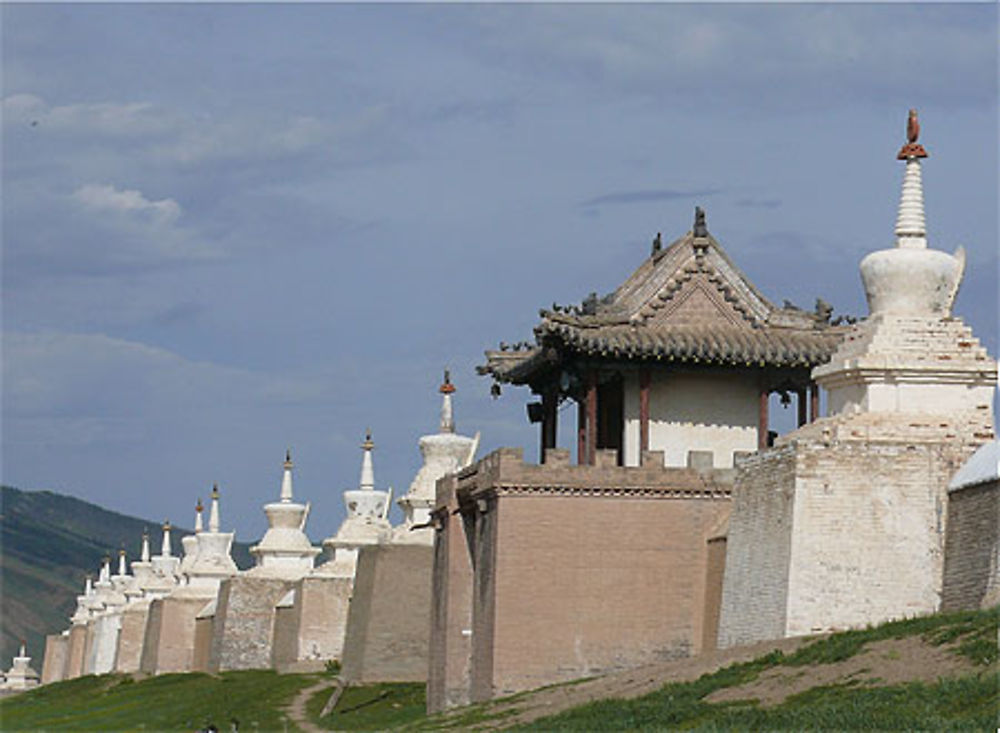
(447, 415)
(700, 229)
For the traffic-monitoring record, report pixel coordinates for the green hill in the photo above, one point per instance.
(50, 542)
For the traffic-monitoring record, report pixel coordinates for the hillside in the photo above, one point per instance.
(928, 673)
(50, 542)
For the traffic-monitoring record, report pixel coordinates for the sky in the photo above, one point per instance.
(234, 229)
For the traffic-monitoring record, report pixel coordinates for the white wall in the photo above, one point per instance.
(703, 412)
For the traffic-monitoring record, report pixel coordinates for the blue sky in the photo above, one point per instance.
(230, 229)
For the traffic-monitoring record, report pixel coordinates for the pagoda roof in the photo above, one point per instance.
(687, 302)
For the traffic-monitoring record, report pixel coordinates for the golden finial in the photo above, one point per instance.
(446, 387)
(368, 444)
(288, 457)
(215, 490)
(166, 525)
(199, 507)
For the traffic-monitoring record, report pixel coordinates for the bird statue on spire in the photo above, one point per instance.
(912, 149)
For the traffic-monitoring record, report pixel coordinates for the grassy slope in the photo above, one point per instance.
(50, 542)
(182, 702)
(173, 702)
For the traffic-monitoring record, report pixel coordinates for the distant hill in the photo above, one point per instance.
(49, 543)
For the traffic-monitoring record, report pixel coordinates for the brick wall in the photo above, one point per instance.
(972, 553)
(388, 622)
(244, 619)
(758, 547)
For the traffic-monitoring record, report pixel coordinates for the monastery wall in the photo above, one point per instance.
(318, 620)
(702, 412)
(131, 636)
(758, 550)
(559, 588)
(169, 642)
(450, 650)
(203, 625)
(972, 552)
(244, 620)
(387, 624)
(56, 653)
(77, 651)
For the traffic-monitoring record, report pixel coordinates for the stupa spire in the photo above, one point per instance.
(286, 479)
(213, 515)
(367, 471)
(24, 651)
(165, 550)
(198, 509)
(911, 228)
(88, 585)
(121, 561)
(105, 575)
(447, 416)
(144, 554)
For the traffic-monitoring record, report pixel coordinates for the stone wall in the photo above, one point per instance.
(840, 527)
(972, 552)
(244, 620)
(169, 641)
(130, 639)
(77, 651)
(203, 626)
(576, 570)
(56, 654)
(451, 606)
(388, 623)
(758, 550)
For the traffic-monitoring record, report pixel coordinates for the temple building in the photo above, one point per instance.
(672, 374)
(843, 524)
(681, 357)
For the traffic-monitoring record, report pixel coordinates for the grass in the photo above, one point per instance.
(371, 707)
(971, 702)
(258, 698)
(172, 702)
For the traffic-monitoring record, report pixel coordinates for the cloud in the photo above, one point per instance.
(106, 198)
(97, 118)
(635, 197)
(752, 203)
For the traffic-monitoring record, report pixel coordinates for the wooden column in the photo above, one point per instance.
(813, 402)
(762, 420)
(644, 380)
(800, 401)
(581, 432)
(550, 403)
(592, 417)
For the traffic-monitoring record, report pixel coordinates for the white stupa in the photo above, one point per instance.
(911, 355)
(285, 549)
(21, 676)
(163, 568)
(366, 523)
(190, 542)
(444, 452)
(212, 560)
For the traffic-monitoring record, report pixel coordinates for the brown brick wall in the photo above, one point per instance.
(714, 574)
(77, 648)
(971, 550)
(131, 638)
(388, 623)
(56, 652)
(451, 607)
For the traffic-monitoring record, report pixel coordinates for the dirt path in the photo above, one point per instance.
(627, 684)
(297, 707)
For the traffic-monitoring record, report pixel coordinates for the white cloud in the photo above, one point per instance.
(101, 118)
(105, 197)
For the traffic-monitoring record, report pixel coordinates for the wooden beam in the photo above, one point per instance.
(592, 417)
(550, 415)
(813, 402)
(762, 420)
(800, 402)
(581, 432)
(644, 380)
